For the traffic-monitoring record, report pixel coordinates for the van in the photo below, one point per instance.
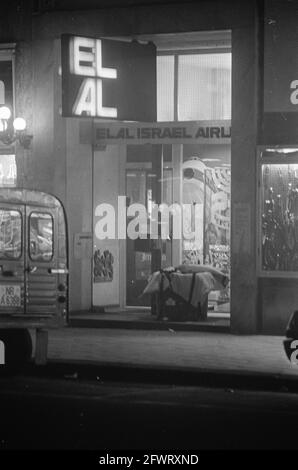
(33, 271)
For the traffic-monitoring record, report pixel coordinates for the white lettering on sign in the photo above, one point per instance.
(294, 94)
(118, 133)
(86, 99)
(86, 60)
(82, 57)
(89, 100)
(103, 72)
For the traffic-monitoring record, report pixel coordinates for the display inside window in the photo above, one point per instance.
(10, 234)
(279, 217)
(41, 236)
(208, 190)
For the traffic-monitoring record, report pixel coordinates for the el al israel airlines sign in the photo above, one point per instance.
(108, 79)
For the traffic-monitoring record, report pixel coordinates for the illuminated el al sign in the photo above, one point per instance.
(86, 60)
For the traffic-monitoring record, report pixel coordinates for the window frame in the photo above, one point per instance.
(22, 222)
(29, 237)
(262, 160)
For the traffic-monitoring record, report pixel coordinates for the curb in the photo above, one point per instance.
(125, 373)
(146, 325)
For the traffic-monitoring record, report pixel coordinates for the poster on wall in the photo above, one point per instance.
(103, 266)
(209, 190)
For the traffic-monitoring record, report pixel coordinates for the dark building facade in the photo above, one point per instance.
(68, 159)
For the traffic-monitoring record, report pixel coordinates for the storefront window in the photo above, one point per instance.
(194, 86)
(204, 87)
(279, 217)
(10, 234)
(207, 187)
(207, 190)
(165, 88)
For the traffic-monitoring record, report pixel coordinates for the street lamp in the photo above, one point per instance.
(10, 133)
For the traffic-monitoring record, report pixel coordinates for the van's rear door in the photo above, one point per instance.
(41, 261)
(12, 259)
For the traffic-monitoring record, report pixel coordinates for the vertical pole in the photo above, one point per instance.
(177, 197)
(157, 164)
(122, 243)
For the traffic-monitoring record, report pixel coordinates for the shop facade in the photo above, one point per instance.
(167, 164)
(88, 162)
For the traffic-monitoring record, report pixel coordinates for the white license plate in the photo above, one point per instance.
(10, 296)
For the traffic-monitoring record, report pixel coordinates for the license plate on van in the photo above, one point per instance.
(10, 296)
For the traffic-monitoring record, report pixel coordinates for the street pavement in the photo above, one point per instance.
(172, 350)
(47, 413)
(59, 407)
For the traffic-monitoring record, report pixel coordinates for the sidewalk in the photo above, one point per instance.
(142, 319)
(172, 351)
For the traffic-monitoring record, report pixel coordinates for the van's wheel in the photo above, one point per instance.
(18, 349)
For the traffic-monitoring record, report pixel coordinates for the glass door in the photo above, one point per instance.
(41, 261)
(148, 182)
(138, 254)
